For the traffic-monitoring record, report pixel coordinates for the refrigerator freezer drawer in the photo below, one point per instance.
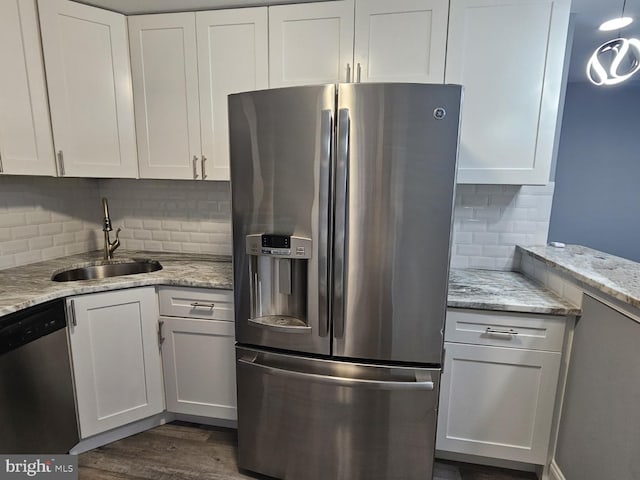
(320, 419)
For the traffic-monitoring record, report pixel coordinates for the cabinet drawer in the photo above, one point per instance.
(203, 303)
(530, 331)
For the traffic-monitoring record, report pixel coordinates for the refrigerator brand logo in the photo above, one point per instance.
(621, 57)
(57, 467)
(439, 113)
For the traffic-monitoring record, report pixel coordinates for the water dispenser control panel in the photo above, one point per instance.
(285, 246)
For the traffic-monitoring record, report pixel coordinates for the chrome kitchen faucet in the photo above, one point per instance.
(109, 247)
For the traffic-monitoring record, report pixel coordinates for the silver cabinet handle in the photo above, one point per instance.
(341, 381)
(203, 305)
(501, 333)
(1, 168)
(359, 73)
(60, 163)
(161, 339)
(71, 312)
(341, 219)
(348, 73)
(195, 167)
(204, 159)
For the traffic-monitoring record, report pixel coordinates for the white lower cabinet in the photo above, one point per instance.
(116, 358)
(198, 351)
(498, 389)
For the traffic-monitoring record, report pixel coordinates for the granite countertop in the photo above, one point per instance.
(21, 287)
(28, 285)
(615, 276)
(504, 291)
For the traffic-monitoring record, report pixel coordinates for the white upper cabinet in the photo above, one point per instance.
(233, 57)
(26, 145)
(311, 43)
(184, 65)
(165, 81)
(509, 56)
(86, 53)
(400, 41)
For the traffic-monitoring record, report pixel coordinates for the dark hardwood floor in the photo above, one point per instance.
(180, 451)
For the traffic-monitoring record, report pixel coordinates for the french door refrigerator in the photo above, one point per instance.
(342, 199)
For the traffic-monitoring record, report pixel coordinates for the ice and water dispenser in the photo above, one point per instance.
(278, 274)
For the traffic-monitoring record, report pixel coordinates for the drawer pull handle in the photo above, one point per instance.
(501, 333)
(203, 305)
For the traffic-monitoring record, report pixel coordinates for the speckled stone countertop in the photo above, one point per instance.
(29, 285)
(615, 276)
(504, 291)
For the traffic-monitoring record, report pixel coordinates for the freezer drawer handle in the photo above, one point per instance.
(507, 334)
(341, 381)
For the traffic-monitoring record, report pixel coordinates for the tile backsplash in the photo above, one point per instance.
(45, 218)
(171, 215)
(489, 220)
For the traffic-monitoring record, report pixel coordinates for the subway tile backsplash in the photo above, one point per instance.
(171, 215)
(44, 218)
(489, 220)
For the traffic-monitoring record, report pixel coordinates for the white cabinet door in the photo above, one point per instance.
(310, 43)
(199, 367)
(497, 402)
(165, 84)
(400, 41)
(184, 65)
(232, 57)
(116, 358)
(509, 56)
(26, 145)
(86, 53)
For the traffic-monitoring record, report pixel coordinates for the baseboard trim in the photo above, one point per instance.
(489, 461)
(214, 422)
(554, 471)
(122, 432)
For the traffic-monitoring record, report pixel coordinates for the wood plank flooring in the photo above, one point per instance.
(181, 451)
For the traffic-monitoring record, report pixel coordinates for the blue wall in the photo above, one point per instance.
(597, 193)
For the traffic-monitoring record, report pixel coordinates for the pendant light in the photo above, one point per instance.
(617, 60)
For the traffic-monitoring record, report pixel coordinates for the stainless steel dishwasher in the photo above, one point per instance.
(37, 402)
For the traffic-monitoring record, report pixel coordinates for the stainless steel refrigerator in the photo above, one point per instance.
(342, 199)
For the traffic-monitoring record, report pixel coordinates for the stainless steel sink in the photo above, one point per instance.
(106, 268)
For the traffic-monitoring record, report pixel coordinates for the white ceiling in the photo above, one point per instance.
(588, 15)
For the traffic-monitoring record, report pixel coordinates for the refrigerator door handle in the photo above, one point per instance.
(418, 384)
(326, 134)
(341, 219)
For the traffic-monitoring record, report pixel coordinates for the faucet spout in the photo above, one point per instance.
(109, 247)
(107, 220)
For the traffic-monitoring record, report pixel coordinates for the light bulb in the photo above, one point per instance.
(615, 24)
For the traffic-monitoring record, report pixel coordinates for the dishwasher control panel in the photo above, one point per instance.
(25, 326)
